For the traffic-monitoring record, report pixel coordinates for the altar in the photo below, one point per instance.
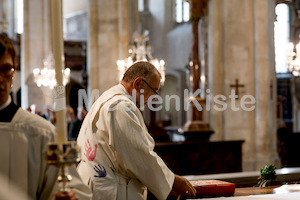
(244, 182)
(249, 179)
(285, 192)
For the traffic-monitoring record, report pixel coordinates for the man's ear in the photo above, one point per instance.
(137, 83)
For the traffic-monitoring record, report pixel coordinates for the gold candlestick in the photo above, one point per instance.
(62, 153)
(62, 157)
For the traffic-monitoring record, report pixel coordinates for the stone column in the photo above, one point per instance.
(238, 64)
(2, 16)
(92, 49)
(241, 47)
(110, 26)
(262, 61)
(262, 77)
(33, 50)
(215, 65)
(127, 24)
(7, 17)
(10, 17)
(25, 56)
(107, 43)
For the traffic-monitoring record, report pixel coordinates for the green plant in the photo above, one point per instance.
(267, 173)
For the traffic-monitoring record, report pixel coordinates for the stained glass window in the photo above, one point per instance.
(182, 11)
(281, 37)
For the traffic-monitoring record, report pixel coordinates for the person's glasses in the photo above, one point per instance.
(7, 70)
(150, 87)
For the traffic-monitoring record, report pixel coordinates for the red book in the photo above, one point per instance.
(213, 188)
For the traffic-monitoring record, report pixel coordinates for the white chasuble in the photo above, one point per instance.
(117, 157)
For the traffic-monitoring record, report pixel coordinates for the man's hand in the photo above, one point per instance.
(66, 196)
(182, 187)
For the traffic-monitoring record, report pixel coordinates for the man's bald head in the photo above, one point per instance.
(142, 69)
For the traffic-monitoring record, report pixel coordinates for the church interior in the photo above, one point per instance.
(217, 46)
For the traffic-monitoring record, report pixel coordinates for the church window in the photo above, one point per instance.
(19, 16)
(281, 40)
(141, 5)
(182, 11)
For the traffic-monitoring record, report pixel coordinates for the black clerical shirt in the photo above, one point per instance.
(9, 112)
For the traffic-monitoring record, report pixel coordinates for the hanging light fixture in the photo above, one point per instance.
(293, 59)
(46, 76)
(140, 50)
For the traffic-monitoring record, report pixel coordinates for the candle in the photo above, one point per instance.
(58, 53)
(298, 51)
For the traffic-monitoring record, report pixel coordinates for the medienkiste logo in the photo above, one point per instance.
(55, 99)
(217, 102)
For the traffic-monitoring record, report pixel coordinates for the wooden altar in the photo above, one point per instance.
(201, 157)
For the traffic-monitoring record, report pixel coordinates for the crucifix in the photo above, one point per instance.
(271, 90)
(236, 86)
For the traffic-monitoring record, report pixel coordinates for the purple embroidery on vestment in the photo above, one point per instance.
(101, 172)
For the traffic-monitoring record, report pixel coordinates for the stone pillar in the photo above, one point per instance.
(25, 56)
(92, 49)
(10, 17)
(108, 41)
(2, 16)
(7, 17)
(238, 63)
(33, 49)
(127, 24)
(241, 47)
(263, 76)
(110, 26)
(215, 64)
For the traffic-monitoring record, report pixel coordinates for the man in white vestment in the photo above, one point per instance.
(24, 137)
(117, 157)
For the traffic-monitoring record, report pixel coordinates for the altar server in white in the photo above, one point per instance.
(24, 138)
(118, 161)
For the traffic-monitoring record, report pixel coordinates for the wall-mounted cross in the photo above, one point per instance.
(236, 86)
(271, 90)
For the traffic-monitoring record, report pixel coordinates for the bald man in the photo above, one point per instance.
(118, 161)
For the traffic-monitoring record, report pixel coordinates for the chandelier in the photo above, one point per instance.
(293, 59)
(46, 76)
(140, 50)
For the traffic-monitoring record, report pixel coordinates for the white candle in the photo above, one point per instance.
(58, 53)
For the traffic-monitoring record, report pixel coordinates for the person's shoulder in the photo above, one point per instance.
(117, 89)
(121, 102)
(25, 118)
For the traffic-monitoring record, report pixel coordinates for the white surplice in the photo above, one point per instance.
(23, 166)
(117, 157)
